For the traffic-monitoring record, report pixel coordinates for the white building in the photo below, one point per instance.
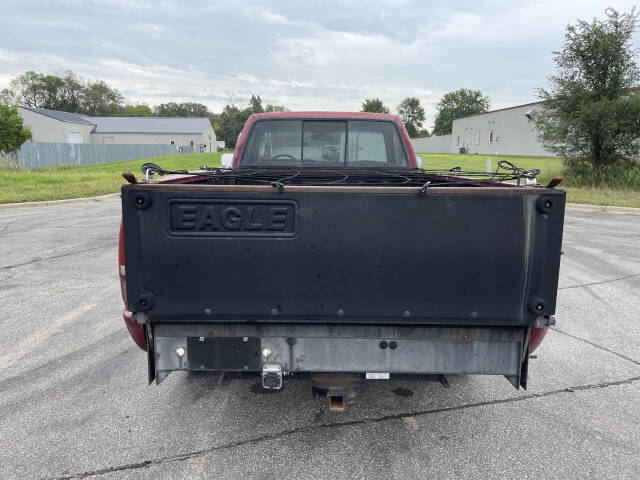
(507, 131)
(53, 126)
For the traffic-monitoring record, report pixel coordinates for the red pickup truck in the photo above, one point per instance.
(323, 249)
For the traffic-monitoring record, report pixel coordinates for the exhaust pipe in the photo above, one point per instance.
(336, 401)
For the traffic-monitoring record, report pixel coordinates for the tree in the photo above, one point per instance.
(51, 92)
(139, 110)
(12, 131)
(71, 93)
(256, 104)
(26, 89)
(63, 91)
(275, 108)
(591, 114)
(412, 115)
(100, 100)
(185, 109)
(457, 104)
(374, 105)
(231, 122)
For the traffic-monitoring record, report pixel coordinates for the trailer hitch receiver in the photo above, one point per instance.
(272, 376)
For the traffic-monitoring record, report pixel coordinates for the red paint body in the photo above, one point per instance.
(137, 331)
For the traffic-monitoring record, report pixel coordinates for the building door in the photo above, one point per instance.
(74, 137)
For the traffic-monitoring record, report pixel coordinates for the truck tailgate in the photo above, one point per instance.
(388, 255)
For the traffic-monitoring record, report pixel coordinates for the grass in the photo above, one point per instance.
(550, 166)
(58, 183)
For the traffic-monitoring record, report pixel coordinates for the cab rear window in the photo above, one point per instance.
(324, 143)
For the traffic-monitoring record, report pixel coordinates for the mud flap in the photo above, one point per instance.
(521, 380)
(151, 362)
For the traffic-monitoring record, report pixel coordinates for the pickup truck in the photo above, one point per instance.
(321, 249)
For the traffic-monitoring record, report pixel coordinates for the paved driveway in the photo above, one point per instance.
(74, 399)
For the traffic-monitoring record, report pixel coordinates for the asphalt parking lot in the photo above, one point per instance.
(74, 400)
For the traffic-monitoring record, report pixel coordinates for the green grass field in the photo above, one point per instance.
(59, 183)
(550, 166)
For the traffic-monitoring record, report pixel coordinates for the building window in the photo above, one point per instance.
(458, 140)
(491, 136)
(477, 137)
(172, 142)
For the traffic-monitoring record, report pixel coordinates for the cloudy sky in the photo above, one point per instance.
(307, 55)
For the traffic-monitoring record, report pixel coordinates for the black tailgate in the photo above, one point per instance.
(205, 253)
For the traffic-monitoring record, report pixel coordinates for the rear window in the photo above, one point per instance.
(324, 143)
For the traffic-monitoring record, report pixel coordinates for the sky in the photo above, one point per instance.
(306, 55)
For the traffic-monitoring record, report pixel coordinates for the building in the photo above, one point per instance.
(506, 131)
(52, 126)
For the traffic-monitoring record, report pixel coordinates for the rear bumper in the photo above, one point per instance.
(346, 348)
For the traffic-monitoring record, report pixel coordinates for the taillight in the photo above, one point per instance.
(121, 267)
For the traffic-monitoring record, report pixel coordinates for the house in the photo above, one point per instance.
(53, 126)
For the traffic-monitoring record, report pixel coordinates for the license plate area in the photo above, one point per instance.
(231, 353)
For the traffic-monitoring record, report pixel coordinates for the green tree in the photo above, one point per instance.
(139, 110)
(231, 122)
(71, 93)
(457, 104)
(12, 131)
(412, 115)
(374, 105)
(52, 86)
(62, 91)
(256, 104)
(100, 100)
(27, 89)
(591, 113)
(275, 108)
(185, 109)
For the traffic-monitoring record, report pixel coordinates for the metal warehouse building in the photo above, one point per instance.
(62, 127)
(507, 131)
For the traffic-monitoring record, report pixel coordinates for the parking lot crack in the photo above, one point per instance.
(53, 257)
(613, 352)
(633, 275)
(364, 421)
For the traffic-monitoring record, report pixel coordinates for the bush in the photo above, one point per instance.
(621, 175)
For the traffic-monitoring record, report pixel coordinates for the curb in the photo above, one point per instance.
(55, 203)
(570, 207)
(584, 207)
